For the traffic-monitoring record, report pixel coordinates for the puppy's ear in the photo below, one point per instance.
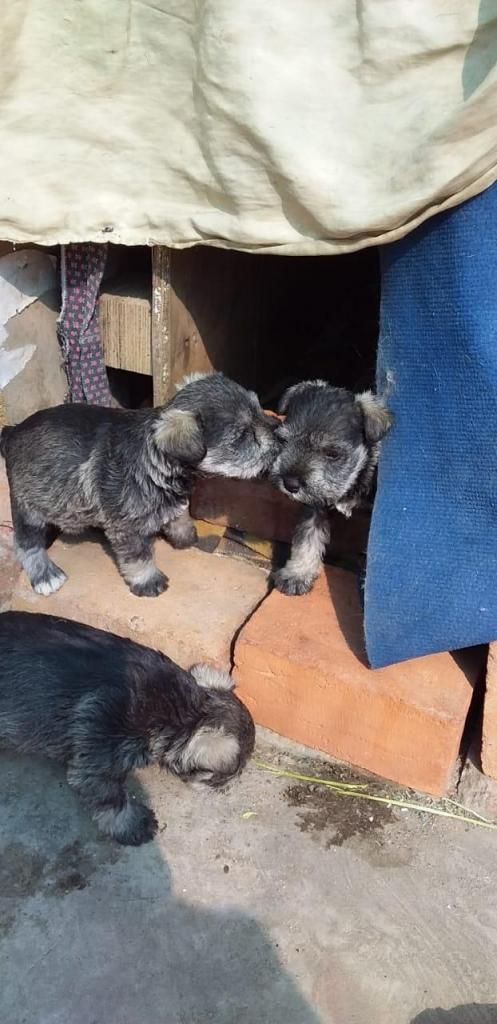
(296, 391)
(377, 418)
(179, 434)
(211, 678)
(211, 749)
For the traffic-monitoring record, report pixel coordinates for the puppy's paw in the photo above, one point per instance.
(152, 587)
(185, 536)
(288, 583)
(141, 827)
(52, 580)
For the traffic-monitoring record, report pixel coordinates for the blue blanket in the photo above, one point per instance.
(431, 582)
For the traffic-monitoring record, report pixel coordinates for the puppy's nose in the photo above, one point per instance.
(291, 484)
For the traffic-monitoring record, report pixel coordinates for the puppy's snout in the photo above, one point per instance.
(291, 484)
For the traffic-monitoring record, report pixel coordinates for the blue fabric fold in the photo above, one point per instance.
(431, 582)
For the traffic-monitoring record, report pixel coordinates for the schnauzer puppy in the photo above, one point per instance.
(330, 445)
(104, 706)
(129, 473)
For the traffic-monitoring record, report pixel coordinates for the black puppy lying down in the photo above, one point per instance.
(103, 706)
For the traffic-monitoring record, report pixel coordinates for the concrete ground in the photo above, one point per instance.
(276, 903)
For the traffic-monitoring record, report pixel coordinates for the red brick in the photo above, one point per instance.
(489, 732)
(301, 669)
(256, 507)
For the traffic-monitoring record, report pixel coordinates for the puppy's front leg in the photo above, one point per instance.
(110, 804)
(180, 532)
(308, 546)
(101, 759)
(136, 564)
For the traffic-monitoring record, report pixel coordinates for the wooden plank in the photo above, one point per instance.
(215, 312)
(3, 412)
(266, 321)
(163, 385)
(151, 327)
(188, 350)
(125, 324)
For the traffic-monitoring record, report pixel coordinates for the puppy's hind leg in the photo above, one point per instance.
(308, 546)
(180, 532)
(30, 545)
(110, 805)
(136, 564)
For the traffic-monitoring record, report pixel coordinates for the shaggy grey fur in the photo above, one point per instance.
(330, 445)
(129, 473)
(103, 706)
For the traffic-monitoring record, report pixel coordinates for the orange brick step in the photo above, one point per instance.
(489, 731)
(301, 669)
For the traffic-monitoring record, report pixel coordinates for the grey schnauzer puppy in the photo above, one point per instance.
(129, 473)
(103, 706)
(330, 445)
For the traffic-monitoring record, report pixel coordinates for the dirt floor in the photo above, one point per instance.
(277, 903)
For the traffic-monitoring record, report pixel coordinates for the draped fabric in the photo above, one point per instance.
(291, 126)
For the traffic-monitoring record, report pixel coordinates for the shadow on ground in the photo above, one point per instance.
(472, 1013)
(93, 932)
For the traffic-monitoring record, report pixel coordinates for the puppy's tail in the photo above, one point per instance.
(4, 432)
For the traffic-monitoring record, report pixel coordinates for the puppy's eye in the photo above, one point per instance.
(332, 452)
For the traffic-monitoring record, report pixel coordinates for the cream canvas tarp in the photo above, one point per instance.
(287, 126)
